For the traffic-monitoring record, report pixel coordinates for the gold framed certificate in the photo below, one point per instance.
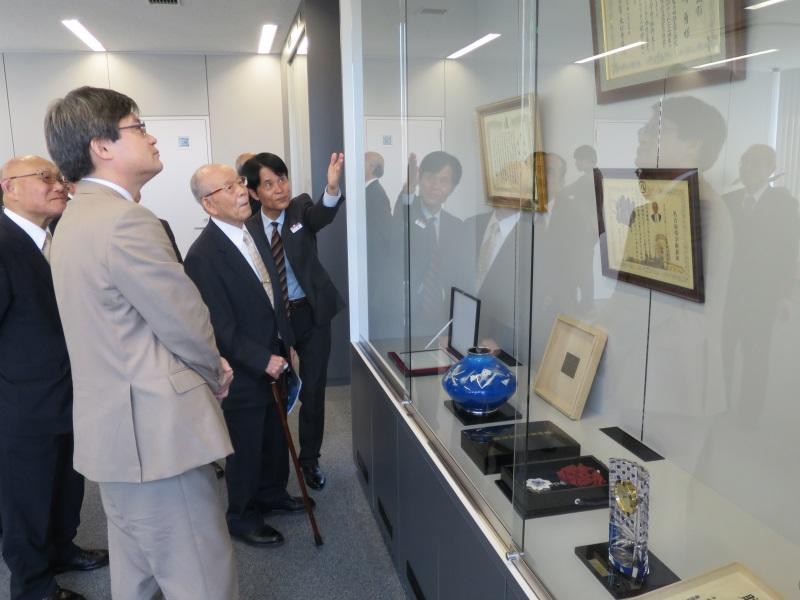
(677, 36)
(649, 226)
(513, 166)
(731, 581)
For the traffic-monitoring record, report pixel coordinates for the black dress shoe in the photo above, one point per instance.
(62, 594)
(290, 504)
(314, 477)
(262, 536)
(84, 560)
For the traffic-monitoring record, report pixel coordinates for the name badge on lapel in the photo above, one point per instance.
(420, 223)
(296, 227)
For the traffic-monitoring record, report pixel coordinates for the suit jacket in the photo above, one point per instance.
(505, 291)
(245, 323)
(302, 221)
(35, 382)
(143, 354)
(423, 245)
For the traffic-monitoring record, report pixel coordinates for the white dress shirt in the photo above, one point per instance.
(36, 233)
(110, 184)
(236, 235)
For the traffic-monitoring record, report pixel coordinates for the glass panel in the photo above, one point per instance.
(384, 171)
(701, 371)
(464, 248)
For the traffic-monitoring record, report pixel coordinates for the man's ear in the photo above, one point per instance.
(101, 148)
(6, 185)
(253, 195)
(208, 206)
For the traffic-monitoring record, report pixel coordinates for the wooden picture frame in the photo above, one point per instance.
(731, 581)
(649, 226)
(678, 36)
(511, 157)
(569, 365)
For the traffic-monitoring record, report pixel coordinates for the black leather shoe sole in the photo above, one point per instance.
(293, 504)
(265, 536)
(315, 478)
(87, 560)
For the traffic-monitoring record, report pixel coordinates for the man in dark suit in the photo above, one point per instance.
(289, 226)
(41, 495)
(253, 331)
(766, 230)
(436, 259)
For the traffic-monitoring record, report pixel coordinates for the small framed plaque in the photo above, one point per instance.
(513, 165)
(569, 365)
(665, 41)
(731, 581)
(649, 226)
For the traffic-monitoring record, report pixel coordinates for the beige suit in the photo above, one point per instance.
(144, 364)
(143, 354)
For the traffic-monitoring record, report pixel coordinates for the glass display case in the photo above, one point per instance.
(580, 276)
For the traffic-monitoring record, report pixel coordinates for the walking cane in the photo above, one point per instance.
(279, 393)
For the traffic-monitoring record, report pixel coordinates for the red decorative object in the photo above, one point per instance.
(580, 475)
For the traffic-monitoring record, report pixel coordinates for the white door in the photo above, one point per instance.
(385, 136)
(184, 146)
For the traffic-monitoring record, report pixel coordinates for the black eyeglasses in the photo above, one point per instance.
(242, 181)
(140, 126)
(47, 177)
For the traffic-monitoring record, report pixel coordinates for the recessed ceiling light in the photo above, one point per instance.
(87, 38)
(727, 60)
(763, 4)
(267, 35)
(476, 44)
(302, 48)
(610, 52)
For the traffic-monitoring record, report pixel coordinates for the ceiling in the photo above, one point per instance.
(195, 26)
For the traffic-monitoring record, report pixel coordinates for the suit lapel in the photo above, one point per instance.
(255, 226)
(236, 261)
(22, 244)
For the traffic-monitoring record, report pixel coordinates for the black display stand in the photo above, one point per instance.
(491, 448)
(595, 557)
(559, 500)
(506, 412)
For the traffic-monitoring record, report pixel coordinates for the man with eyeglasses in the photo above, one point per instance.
(253, 331)
(41, 494)
(148, 377)
(288, 227)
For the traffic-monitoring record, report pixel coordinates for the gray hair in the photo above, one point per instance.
(72, 122)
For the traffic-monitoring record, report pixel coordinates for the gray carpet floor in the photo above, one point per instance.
(353, 563)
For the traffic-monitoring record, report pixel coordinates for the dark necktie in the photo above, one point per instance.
(279, 256)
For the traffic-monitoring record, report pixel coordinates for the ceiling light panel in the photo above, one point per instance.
(83, 34)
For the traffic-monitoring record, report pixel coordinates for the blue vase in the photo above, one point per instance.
(479, 383)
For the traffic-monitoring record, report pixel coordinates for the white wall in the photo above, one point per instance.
(241, 95)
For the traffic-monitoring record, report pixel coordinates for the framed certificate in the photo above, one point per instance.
(731, 581)
(677, 36)
(569, 365)
(513, 166)
(649, 226)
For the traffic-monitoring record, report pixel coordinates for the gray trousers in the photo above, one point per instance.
(169, 536)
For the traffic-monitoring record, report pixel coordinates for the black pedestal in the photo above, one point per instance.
(506, 412)
(595, 557)
(493, 447)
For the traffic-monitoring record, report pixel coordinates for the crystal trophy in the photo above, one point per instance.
(629, 498)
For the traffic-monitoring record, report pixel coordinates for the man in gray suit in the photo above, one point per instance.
(148, 378)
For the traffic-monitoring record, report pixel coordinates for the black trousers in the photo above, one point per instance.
(313, 346)
(40, 505)
(257, 472)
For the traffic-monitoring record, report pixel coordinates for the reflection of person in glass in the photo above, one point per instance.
(766, 229)
(433, 238)
(384, 255)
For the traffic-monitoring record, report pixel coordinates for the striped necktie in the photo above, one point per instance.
(48, 241)
(279, 256)
(263, 274)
